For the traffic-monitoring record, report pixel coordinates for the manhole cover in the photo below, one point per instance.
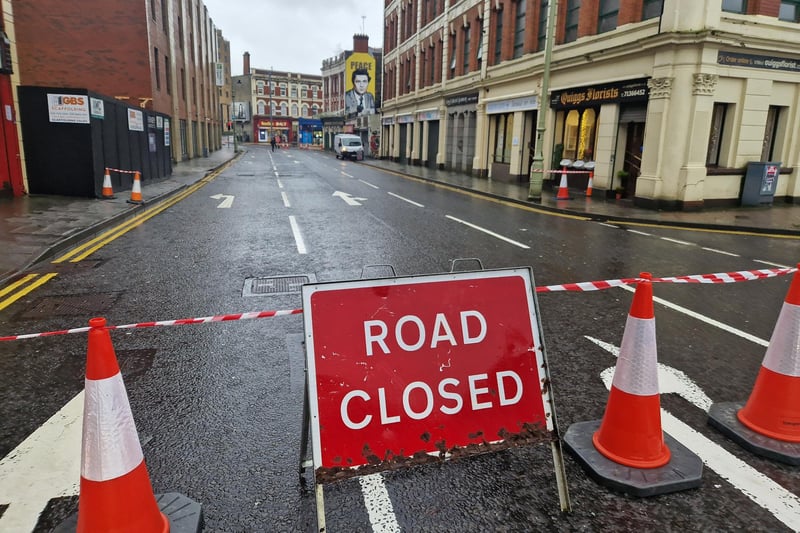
(276, 285)
(81, 305)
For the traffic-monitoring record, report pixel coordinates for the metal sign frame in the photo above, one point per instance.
(374, 297)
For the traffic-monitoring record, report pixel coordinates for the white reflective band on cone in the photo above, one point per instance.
(637, 365)
(110, 443)
(784, 345)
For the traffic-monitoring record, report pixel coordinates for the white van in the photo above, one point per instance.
(348, 146)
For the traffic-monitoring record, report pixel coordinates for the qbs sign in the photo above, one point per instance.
(430, 364)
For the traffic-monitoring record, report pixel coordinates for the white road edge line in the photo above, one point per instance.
(298, 237)
(412, 202)
(770, 264)
(488, 232)
(378, 504)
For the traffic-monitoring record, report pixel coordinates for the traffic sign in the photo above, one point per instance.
(406, 370)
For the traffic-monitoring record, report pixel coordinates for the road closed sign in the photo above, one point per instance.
(411, 369)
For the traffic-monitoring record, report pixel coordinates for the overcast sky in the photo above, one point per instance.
(294, 35)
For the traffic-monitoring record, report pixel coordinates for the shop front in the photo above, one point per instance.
(512, 137)
(429, 150)
(462, 114)
(309, 132)
(388, 132)
(405, 135)
(281, 128)
(581, 113)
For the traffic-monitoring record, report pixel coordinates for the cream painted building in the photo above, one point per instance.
(670, 99)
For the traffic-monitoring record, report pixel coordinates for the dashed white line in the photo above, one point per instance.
(770, 264)
(298, 236)
(280, 183)
(369, 184)
(405, 199)
(637, 232)
(345, 174)
(608, 225)
(723, 252)
(488, 232)
(676, 241)
(285, 199)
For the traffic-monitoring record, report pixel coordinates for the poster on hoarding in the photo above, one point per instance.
(68, 108)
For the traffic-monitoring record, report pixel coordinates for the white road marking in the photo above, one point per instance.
(723, 252)
(285, 198)
(280, 183)
(227, 200)
(345, 174)
(45, 465)
(608, 225)
(412, 202)
(488, 232)
(676, 241)
(348, 198)
(770, 264)
(378, 504)
(703, 318)
(298, 236)
(368, 183)
(762, 490)
(637, 232)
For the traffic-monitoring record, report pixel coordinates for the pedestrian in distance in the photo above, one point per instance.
(273, 143)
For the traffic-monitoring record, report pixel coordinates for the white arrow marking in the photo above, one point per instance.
(348, 198)
(783, 505)
(226, 203)
(45, 465)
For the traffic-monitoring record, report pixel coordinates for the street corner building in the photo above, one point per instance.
(674, 101)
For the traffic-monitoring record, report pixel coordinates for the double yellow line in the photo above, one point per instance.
(30, 282)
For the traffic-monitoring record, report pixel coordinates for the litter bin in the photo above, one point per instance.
(760, 182)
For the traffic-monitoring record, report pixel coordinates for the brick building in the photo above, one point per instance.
(158, 55)
(671, 99)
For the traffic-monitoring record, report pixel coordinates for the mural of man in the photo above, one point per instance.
(358, 100)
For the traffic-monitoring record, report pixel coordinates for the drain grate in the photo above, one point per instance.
(276, 285)
(76, 305)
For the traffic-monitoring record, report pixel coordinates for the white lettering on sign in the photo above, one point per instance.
(414, 336)
(451, 404)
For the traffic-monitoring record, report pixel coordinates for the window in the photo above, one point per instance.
(652, 9)
(498, 36)
(283, 90)
(789, 11)
(716, 134)
(452, 56)
(164, 19)
(466, 49)
(479, 53)
(156, 63)
(260, 88)
(734, 6)
(571, 25)
(607, 17)
(167, 75)
(261, 107)
(519, 29)
(542, 36)
(580, 130)
(433, 65)
(293, 91)
(294, 110)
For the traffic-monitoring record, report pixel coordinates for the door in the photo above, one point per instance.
(634, 144)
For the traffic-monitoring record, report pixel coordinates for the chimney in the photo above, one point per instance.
(246, 63)
(361, 43)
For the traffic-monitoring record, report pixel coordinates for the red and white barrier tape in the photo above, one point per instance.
(722, 277)
(566, 171)
(122, 171)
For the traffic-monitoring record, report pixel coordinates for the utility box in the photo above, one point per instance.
(760, 182)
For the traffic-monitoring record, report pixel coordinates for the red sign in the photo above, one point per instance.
(402, 366)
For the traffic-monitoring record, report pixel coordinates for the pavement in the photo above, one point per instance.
(35, 228)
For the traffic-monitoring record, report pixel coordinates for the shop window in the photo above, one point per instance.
(734, 6)
(580, 130)
(717, 136)
(498, 36)
(571, 23)
(652, 9)
(519, 29)
(773, 134)
(789, 11)
(607, 16)
(503, 131)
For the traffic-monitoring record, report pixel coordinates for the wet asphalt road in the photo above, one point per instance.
(219, 406)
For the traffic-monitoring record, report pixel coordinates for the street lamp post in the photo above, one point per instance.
(269, 87)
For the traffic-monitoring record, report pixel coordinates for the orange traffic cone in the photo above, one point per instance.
(769, 422)
(589, 185)
(115, 493)
(630, 433)
(563, 190)
(136, 191)
(629, 436)
(108, 191)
